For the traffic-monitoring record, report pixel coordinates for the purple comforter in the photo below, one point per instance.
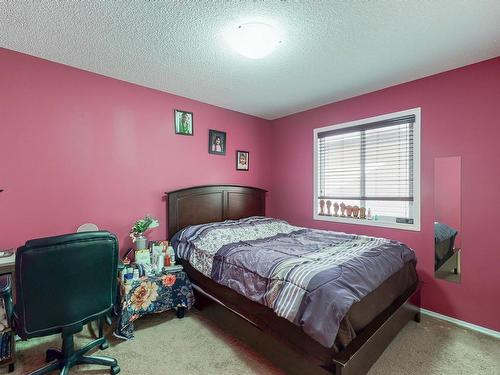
(310, 277)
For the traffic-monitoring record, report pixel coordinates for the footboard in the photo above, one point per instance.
(366, 348)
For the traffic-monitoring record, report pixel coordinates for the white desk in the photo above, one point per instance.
(8, 264)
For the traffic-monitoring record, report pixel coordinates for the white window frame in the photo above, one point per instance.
(416, 170)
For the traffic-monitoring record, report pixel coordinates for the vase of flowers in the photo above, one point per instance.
(139, 228)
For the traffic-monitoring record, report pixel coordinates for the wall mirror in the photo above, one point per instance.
(447, 218)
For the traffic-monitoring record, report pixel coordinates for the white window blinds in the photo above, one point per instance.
(369, 165)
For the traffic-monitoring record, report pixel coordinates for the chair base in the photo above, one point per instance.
(68, 357)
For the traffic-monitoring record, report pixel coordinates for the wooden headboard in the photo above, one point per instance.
(205, 204)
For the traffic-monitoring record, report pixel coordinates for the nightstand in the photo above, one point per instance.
(152, 294)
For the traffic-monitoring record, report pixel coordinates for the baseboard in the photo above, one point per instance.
(461, 323)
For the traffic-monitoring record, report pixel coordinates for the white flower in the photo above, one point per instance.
(154, 224)
(143, 225)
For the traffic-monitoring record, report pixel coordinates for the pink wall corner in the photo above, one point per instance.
(459, 117)
(78, 147)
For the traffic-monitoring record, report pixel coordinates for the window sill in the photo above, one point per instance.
(372, 223)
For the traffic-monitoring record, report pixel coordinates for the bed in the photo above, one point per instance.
(444, 242)
(361, 335)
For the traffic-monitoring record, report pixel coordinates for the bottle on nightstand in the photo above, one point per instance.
(171, 253)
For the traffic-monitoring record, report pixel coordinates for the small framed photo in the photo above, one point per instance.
(183, 121)
(242, 160)
(216, 142)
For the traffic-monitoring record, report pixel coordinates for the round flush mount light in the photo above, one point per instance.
(254, 39)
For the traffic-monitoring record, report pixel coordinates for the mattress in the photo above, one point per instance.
(443, 232)
(444, 239)
(345, 280)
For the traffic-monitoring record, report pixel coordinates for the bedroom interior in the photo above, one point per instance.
(284, 196)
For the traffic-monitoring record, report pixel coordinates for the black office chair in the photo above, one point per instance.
(63, 283)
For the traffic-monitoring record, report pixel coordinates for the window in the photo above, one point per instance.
(368, 171)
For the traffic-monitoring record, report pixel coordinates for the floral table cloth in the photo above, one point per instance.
(152, 294)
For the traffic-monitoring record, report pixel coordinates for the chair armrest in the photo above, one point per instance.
(5, 284)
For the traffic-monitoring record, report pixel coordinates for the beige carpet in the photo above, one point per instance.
(194, 345)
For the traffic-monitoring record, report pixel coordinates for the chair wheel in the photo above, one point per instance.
(104, 345)
(50, 355)
(115, 370)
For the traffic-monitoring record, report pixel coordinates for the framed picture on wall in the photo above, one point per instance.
(184, 122)
(216, 142)
(242, 160)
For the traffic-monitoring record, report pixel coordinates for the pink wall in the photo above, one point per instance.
(448, 194)
(78, 147)
(459, 117)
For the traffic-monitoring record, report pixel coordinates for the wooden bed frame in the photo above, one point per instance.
(203, 204)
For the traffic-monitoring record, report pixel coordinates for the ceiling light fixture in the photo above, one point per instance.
(254, 39)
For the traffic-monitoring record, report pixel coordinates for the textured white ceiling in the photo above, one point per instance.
(331, 50)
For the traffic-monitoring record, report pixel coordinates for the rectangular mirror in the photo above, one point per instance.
(447, 217)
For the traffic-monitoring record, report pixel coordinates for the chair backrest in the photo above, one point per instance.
(64, 282)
